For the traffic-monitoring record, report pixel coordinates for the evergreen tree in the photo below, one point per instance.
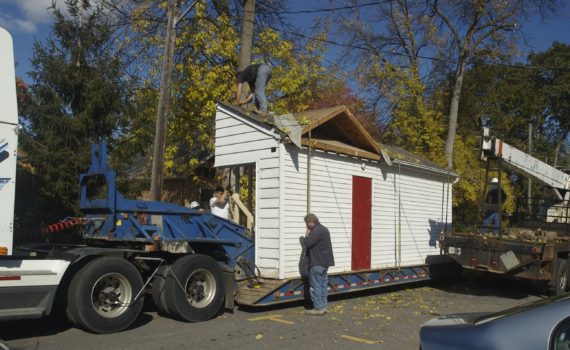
(79, 96)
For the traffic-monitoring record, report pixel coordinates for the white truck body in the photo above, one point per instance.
(8, 140)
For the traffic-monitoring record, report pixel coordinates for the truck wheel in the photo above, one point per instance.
(158, 288)
(101, 295)
(194, 289)
(559, 283)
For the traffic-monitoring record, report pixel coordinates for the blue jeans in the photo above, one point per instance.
(263, 77)
(491, 218)
(319, 283)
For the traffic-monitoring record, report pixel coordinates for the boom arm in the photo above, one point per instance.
(547, 174)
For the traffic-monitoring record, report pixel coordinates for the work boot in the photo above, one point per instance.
(316, 312)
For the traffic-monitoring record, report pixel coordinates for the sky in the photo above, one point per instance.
(29, 20)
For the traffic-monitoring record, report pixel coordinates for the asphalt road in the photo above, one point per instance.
(387, 318)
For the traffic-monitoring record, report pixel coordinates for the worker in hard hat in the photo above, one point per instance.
(196, 206)
(495, 199)
(193, 205)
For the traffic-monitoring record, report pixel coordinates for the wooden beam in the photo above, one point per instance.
(342, 150)
(323, 120)
(240, 206)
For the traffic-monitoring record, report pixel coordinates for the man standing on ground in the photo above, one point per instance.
(257, 76)
(219, 205)
(319, 250)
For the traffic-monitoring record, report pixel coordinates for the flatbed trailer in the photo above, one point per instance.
(543, 260)
(271, 291)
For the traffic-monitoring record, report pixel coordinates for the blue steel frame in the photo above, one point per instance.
(296, 289)
(113, 218)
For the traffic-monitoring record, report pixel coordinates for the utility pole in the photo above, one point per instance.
(246, 34)
(244, 61)
(163, 105)
(529, 189)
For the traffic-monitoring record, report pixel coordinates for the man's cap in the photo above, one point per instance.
(194, 205)
(494, 180)
(219, 189)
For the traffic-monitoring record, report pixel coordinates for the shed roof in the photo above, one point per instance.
(335, 129)
(332, 129)
(399, 155)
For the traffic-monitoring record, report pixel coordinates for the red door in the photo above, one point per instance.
(361, 222)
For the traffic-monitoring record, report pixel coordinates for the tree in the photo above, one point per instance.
(386, 45)
(505, 94)
(476, 29)
(246, 42)
(511, 96)
(206, 62)
(552, 72)
(79, 96)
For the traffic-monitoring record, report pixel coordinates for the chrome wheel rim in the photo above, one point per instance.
(200, 288)
(111, 295)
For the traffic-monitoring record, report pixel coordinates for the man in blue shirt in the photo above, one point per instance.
(319, 250)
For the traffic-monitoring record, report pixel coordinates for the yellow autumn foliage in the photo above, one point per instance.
(206, 64)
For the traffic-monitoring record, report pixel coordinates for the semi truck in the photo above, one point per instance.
(537, 247)
(191, 263)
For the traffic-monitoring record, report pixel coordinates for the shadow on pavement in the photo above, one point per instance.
(55, 324)
(472, 283)
(11, 330)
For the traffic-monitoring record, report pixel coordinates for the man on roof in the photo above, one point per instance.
(256, 76)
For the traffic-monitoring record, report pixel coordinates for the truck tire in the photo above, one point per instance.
(194, 290)
(101, 295)
(559, 283)
(158, 288)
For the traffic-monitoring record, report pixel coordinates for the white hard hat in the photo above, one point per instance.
(194, 205)
(494, 180)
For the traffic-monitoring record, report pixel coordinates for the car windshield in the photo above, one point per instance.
(521, 308)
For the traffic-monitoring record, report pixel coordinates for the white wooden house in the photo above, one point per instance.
(384, 207)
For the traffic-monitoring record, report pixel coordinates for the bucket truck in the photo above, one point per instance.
(534, 251)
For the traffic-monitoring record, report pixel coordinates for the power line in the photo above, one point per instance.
(331, 9)
(351, 46)
(392, 53)
(376, 52)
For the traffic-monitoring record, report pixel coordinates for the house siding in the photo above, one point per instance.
(422, 209)
(409, 210)
(268, 230)
(239, 142)
(409, 206)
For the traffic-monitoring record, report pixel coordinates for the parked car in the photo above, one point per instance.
(540, 325)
